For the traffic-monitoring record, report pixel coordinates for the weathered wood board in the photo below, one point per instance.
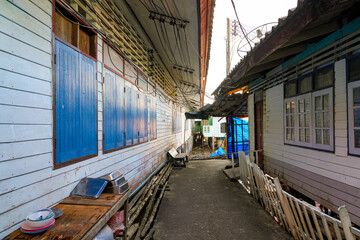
(79, 221)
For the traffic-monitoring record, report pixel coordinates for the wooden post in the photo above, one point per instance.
(346, 222)
(184, 136)
(286, 208)
(126, 216)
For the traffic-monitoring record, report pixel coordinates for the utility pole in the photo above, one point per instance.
(227, 46)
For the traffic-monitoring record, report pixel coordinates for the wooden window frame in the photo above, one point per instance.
(80, 21)
(331, 112)
(54, 38)
(290, 100)
(312, 144)
(351, 128)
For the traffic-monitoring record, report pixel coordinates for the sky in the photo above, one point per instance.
(252, 13)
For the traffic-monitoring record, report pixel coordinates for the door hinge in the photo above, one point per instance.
(124, 90)
(55, 142)
(54, 58)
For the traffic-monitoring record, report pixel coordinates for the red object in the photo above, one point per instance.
(116, 222)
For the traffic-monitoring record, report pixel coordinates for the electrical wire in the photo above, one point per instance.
(241, 27)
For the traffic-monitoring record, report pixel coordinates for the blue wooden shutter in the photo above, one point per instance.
(135, 116)
(146, 117)
(152, 118)
(143, 118)
(113, 111)
(76, 107)
(131, 120)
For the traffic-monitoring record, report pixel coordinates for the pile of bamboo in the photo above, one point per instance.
(144, 205)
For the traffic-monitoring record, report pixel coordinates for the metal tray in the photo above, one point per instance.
(89, 188)
(112, 176)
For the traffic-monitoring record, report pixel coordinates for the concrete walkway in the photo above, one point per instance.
(203, 204)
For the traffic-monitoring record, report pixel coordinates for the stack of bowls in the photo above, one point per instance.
(38, 221)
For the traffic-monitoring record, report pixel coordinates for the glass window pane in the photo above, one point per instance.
(301, 105)
(318, 103)
(293, 134)
(288, 133)
(356, 96)
(318, 120)
(326, 102)
(326, 119)
(307, 104)
(288, 121)
(305, 85)
(326, 136)
(290, 89)
(357, 117)
(143, 82)
(302, 135)
(307, 135)
(292, 107)
(318, 138)
(307, 120)
(288, 107)
(301, 120)
(323, 78)
(353, 68)
(357, 138)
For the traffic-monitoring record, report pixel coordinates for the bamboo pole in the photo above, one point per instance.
(152, 216)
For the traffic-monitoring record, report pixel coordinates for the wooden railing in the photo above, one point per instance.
(299, 218)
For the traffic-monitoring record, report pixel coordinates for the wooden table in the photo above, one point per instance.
(82, 218)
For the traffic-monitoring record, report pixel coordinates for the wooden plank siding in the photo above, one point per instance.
(330, 178)
(28, 181)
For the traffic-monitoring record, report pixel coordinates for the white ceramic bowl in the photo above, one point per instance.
(40, 218)
(40, 215)
(38, 224)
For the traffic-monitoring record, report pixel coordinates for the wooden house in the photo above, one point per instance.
(303, 81)
(90, 86)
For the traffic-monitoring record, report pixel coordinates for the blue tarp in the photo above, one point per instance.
(218, 152)
(238, 135)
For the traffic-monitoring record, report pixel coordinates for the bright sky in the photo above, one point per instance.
(252, 13)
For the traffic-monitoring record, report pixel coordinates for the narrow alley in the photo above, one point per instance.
(203, 204)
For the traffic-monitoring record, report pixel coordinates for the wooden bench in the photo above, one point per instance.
(178, 157)
(82, 218)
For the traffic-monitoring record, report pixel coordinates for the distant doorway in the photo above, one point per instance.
(238, 135)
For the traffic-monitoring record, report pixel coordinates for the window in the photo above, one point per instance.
(127, 108)
(143, 82)
(176, 118)
(75, 82)
(308, 113)
(114, 111)
(153, 124)
(354, 104)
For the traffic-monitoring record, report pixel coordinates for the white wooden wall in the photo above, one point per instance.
(27, 179)
(333, 179)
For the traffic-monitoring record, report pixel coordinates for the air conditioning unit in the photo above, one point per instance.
(223, 127)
